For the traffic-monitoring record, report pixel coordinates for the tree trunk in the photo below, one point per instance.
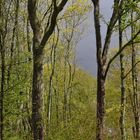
(136, 128)
(50, 94)
(123, 101)
(37, 93)
(2, 90)
(40, 40)
(123, 92)
(2, 57)
(13, 42)
(100, 76)
(100, 104)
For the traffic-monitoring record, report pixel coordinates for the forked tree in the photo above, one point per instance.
(102, 63)
(41, 36)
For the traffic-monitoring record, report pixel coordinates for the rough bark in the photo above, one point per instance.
(100, 104)
(37, 94)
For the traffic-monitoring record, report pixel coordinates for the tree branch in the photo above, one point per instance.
(34, 21)
(131, 69)
(48, 33)
(110, 27)
(127, 44)
(97, 30)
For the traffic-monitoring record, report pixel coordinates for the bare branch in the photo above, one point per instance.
(53, 21)
(48, 10)
(97, 30)
(34, 21)
(127, 44)
(110, 27)
(131, 69)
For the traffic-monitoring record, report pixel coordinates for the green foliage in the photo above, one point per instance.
(61, 77)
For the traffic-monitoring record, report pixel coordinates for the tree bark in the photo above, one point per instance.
(2, 89)
(39, 42)
(37, 94)
(50, 94)
(123, 92)
(100, 104)
(13, 42)
(2, 53)
(100, 112)
(135, 106)
(101, 55)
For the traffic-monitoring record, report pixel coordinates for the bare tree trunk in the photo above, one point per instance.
(37, 94)
(39, 42)
(2, 50)
(100, 112)
(123, 92)
(29, 39)
(135, 106)
(100, 104)
(49, 100)
(67, 82)
(65, 96)
(13, 41)
(101, 55)
(2, 53)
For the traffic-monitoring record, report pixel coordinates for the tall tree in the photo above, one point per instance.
(102, 64)
(50, 89)
(123, 91)
(39, 42)
(2, 51)
(101, 53)
(136, 127)
(3, 33)
(13, 40)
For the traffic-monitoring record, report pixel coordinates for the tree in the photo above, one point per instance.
(59, 102)
(39, 42)
(102, 64)
(135, 96)
(3, 34)
(123, 90)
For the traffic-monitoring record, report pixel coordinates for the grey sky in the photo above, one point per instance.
(86, 50)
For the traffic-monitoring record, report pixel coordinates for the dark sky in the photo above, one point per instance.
(86, 49)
